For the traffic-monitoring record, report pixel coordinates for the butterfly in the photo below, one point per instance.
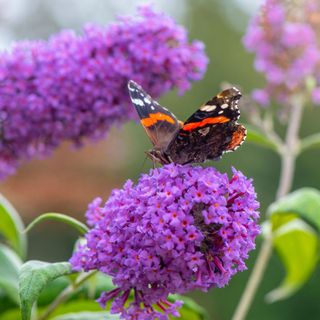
(208, 133)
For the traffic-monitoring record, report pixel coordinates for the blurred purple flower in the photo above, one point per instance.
(261, 97)
(180, 228)
(287, 48)
(74, 87)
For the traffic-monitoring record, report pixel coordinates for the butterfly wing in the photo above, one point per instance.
(220, 109)
(210, 131)
(160, 124)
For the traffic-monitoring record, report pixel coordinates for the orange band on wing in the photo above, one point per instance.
(194, 125)
(154, 118)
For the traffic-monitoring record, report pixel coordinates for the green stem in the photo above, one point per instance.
(290, 150)
(65, 294)
(254, 280)
(288, 159)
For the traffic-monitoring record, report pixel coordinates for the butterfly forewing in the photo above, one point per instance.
(221, 108)
(160, 124)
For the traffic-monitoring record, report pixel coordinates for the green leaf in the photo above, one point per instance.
(52, 290)
(13, 314)
(260, 139)
(10, 264)
(11, 227)
(78, 305)
(295, 224)
(34, 276)
(304, 203)
(311, 142)
(297, 246)
(6, 303)
(100, 315)
(81, 227)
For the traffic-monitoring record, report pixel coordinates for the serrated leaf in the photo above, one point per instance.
(11, 227)
(260, 139)
(102, 315)
(81, 227)
(311, 142)
(33, 278)
(10, 264)
(297, 246)
(304, 203)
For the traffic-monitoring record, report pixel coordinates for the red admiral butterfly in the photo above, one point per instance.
(207, 134)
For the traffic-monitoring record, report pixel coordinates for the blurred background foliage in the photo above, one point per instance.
(70, 179)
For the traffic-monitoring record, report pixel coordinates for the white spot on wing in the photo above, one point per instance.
(208, 108)
(220, 112)
(138, 102)
(146, 100)
(132, 88)
(204, 131)
(224, 106)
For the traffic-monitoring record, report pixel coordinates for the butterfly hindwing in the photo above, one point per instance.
(160, 124)
(238, 137)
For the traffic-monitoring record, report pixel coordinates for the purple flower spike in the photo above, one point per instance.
(285, 39)
(180, 228)
(74, 87)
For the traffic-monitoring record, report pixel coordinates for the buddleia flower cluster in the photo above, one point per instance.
(285, 37)
(179, 228)
(73, 86)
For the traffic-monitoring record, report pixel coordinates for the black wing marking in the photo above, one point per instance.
(224, 104)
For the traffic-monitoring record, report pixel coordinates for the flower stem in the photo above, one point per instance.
(254, 280)
(289, 152)
(65, 294)
(288, 159)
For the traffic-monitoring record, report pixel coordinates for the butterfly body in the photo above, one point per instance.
(205, 135)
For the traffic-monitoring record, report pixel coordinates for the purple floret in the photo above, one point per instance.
(179, 228)
(75, 86)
